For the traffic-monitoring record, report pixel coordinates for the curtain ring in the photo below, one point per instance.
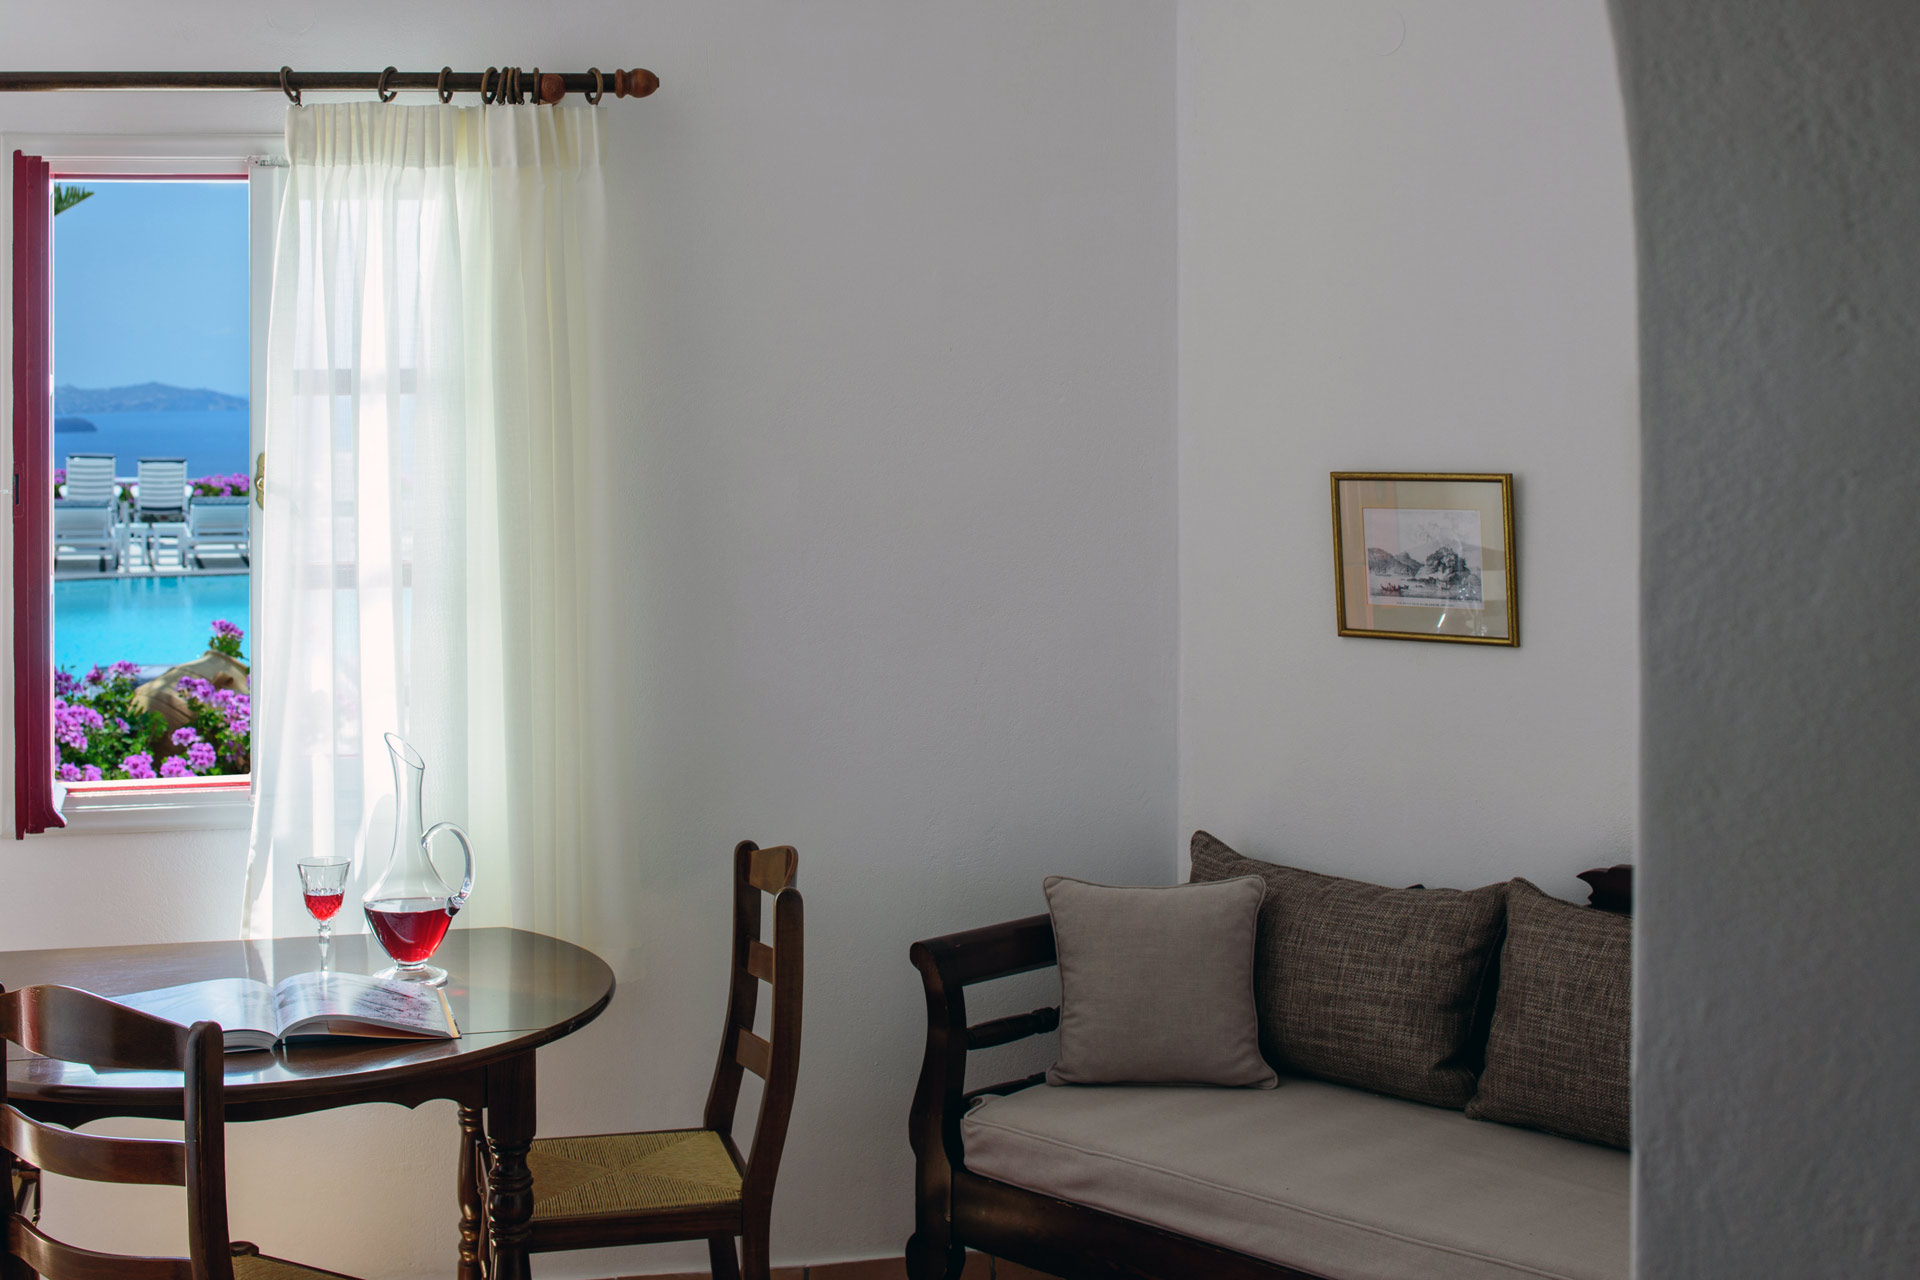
(513, 86)
(534, 80)
(386, 94)
(599, 87)
(440, 85)
(286, 86)
(487, 95)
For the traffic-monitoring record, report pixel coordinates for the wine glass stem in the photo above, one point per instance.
(326, 930)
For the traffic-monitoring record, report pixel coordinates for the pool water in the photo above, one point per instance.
(149, 621)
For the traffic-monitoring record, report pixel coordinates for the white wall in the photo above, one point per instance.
(1405, 245)
(1778, 1023)
(894, 579)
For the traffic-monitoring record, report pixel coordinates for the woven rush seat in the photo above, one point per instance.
(249, 1265)
(624, 1173)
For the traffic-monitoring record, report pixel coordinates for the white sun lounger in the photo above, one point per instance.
(87, 520)
(160, 504)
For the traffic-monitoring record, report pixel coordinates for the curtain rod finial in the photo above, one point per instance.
(637, 83)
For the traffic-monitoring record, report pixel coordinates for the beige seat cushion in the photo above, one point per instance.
(623, 1173)
(1318, 1176)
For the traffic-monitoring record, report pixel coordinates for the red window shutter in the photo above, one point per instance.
(35, 793)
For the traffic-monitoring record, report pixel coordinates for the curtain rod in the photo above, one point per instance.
(495, 84)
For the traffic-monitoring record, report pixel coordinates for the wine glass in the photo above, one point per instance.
(323, 886)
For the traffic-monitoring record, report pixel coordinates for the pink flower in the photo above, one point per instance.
(138, 765)
(185, 736)
(174, 767)
(70, 773)
(90, 773)
(200, 757)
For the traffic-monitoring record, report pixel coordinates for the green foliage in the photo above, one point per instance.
(65, 197)
(226, 639)
(95, 725)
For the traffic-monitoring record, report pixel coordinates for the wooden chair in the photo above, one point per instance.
(60, 1022)
(691, 1184)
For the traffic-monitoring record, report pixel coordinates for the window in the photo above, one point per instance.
(137, 305)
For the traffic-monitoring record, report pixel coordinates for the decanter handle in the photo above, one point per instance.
(466, 851)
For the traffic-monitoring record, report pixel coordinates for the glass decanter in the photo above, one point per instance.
(409, 907)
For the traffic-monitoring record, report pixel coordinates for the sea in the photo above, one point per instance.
(213, 441)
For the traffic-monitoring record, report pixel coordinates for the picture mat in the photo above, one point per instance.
(1487, 622)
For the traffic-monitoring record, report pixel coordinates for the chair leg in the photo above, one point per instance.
(720, 1254)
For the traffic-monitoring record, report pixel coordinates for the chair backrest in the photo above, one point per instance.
(163, 485)
(776, 1059)
(74, 1026)
(90, 478)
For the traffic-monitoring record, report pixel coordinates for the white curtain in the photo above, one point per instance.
(430, 402)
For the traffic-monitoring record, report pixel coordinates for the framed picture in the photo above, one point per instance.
(1420, 556)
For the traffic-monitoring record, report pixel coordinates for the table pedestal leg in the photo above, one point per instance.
(473, 1182)
(510, 1125)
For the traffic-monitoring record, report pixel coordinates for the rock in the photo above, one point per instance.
(1447, 567)
(1385, 564)
(160, 696)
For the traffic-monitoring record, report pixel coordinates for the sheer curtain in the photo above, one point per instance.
(429, 405)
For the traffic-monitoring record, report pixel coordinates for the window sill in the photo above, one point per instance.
(163, 804)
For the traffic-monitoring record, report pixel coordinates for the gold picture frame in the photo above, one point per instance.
(1416, 556)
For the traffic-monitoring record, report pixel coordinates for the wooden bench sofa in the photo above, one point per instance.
(1310, 1181)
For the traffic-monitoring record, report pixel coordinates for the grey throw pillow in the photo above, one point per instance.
(1558, 1053)
(1156, 984)
(1367, 985)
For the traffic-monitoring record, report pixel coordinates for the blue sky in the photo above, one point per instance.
(150, 285)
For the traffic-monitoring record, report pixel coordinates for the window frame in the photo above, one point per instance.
(221, 802)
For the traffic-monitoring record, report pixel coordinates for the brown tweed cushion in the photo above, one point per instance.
(1558, 1053)
(1367, 985)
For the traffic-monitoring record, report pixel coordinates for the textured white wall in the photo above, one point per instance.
(1405, 245)
(1778, 194)
(890, 571)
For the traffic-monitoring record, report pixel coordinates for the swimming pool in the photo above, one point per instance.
(149, 621)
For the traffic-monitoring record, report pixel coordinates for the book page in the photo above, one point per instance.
(237, 1004)
(304, 1003)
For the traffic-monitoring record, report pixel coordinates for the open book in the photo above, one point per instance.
(256, 1016)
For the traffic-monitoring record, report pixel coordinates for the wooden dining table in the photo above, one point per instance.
(510, 991)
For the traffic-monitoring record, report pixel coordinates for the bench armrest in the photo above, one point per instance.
(948, 966)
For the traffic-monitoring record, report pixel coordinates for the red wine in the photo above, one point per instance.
(321, 906)
(409, 928)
